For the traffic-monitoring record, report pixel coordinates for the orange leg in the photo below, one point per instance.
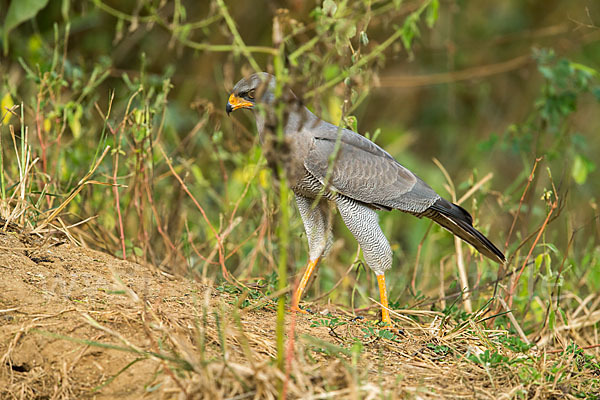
(305, 278)
(385, 314)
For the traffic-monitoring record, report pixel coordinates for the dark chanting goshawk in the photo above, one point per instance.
(359, 179)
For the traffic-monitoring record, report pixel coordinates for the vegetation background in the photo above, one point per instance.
(504, 95)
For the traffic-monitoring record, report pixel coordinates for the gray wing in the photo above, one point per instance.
(365, 172)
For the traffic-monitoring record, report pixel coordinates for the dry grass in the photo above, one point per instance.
(185, 192)
(80, 324)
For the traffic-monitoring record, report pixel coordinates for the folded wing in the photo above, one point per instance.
(363, 171)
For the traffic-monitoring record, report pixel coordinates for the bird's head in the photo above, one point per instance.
(257, 88)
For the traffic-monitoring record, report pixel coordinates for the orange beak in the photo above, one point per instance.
(235, 103)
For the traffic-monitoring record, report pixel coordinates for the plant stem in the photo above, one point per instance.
(283, 237)
(237, 38)
(366, 59)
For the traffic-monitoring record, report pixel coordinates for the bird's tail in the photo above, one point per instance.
(459, 222)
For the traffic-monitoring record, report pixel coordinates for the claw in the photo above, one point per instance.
(298, 309)
(390, 327)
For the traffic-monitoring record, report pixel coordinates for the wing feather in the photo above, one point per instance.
(367, 173)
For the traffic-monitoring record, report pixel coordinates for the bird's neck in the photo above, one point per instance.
(261, 121)
(297, 118)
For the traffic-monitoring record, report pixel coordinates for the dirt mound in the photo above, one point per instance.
(56, 288)
(77, 323)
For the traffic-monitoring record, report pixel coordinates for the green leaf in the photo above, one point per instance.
(64, 9)
(548, 262)
(538, 261)
(6, 103)
(552, 247)
(583, 68)
(364, 39)
(562, 313)
(329, 7)
(331, 71)
(352, 123)
(580, 170)
(74, 114)
(19, 12)
(551, 319)
(409, 31)
(432, 13)
(546, 72)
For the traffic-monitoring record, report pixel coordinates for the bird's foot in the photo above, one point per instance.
(388, 326)
(297, 308)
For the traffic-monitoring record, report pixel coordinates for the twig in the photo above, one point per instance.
(529, 180)
(475, 188)
(460, 262)
(514, 321)
(539, 235)
(419, 248)
(74, 193)
(237, 38)
(411, 81)
(366, 59)
(593, 346)
(201, 209)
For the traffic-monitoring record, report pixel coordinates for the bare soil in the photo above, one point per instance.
(72, 320)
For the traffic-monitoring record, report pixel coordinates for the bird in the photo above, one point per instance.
(329, 166)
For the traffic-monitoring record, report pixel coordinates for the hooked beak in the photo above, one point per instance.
(235, 103)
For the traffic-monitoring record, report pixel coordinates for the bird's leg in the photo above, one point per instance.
(363, 222)
(385, 314)
(317, 224)
(310, 267)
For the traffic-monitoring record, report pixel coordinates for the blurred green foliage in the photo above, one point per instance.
(483, 87)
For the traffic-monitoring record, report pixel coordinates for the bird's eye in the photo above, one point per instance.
(251, 94)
